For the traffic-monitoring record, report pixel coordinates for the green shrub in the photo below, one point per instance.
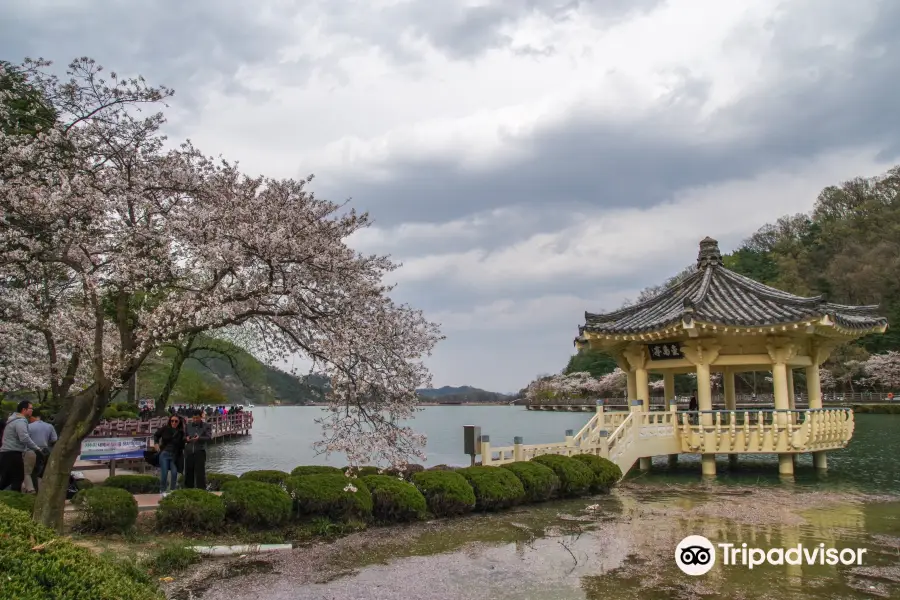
(315, 470)
(24, 502)
(443, 468)
(266, 476)
(105, 509)
(190, 510)
(136, 484)
(394, 499)
(83, 484)
(447, 493)
(539, 481)
(575, 478)
(59, 570)
(172, 559)
(215, 481)
(256, 504)
(325, 495)
(606, 472)
(494, 488)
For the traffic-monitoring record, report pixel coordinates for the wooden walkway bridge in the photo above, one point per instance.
(225, 426)
(625, 437)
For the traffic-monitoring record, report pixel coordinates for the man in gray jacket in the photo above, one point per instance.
(15, 441)
(196, 436)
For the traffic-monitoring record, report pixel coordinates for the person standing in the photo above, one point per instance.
(13, 446)
(168, 441)
(44, 435)
(198, 434)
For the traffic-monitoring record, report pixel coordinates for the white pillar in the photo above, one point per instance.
(631, 385)
(704, 402)
(669, 385)
(642, 387)
(814, 392)
(728, 384)
(782, 402)
(813, 386)
(731, 405)
(669, 392)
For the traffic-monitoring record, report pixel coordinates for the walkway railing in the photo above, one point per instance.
(233, 424)
(832, 399)
(624, 437)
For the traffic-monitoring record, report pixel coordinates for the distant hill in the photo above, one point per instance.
(253, 382)
(460, 395)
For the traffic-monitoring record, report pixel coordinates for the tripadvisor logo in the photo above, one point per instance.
(696, 555)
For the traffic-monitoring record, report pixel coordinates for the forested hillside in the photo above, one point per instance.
(846, 248)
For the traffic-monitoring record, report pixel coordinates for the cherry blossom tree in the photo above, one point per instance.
(827, 380)
(113, 245)
(575, 385)
(883, 370)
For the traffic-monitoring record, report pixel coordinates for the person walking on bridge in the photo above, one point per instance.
(13, 446)
(198, 434)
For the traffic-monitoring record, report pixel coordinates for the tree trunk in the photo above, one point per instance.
(132, 391)
(83, 415)
(181, 354)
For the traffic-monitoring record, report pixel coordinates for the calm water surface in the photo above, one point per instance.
(610, 547)
(282, 439)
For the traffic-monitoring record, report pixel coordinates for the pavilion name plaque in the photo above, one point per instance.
(668, 351)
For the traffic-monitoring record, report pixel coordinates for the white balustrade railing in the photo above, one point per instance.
(624, 437)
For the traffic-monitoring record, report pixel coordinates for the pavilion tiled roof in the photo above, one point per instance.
(717, 295)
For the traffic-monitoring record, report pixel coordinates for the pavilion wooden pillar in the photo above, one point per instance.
(781, 350)
(702, 353)
(819, 354)
(636, 355)
(730, 404)
(669, 392)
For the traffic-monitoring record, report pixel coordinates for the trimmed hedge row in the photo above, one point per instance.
(269, 498)
(36, 564)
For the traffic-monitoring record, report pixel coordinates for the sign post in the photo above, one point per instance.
(111, 449)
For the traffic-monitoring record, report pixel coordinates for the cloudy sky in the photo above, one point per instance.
(526, 160)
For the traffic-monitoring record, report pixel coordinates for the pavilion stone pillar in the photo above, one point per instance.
(636, 355)
(702, 353)
(781, 350)
(818, 353)
(730, 404)
(669, 393)
(631, 385)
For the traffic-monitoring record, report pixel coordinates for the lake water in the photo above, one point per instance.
(618, 546)
(282, 439)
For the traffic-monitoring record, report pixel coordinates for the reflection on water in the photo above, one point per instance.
(623, 548)
(613, 547)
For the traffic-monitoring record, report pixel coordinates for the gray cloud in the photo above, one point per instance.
(465, 32)
(188, 46)
(817, 99)
(813, 99)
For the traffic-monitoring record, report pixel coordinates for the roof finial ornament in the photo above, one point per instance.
(709, 253)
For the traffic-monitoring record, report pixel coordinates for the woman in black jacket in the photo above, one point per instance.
(169, 442)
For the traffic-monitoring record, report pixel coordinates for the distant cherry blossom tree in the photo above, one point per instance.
(576, 385)
(112, 245)
(883, 370)
(826, 379)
